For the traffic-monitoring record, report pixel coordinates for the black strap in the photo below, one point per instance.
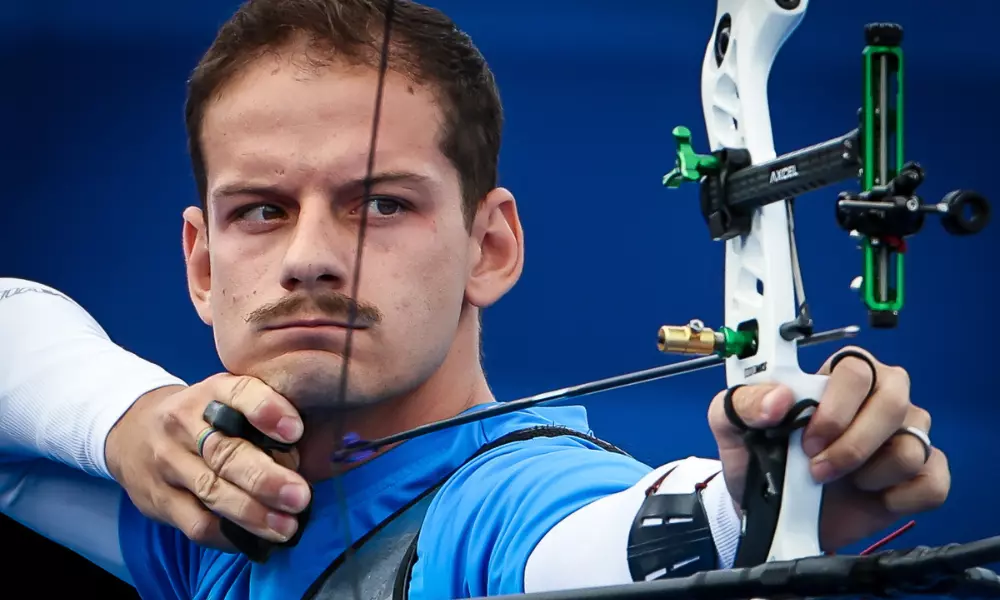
(400, 588)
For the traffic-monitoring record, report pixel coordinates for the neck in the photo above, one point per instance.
(457, 385)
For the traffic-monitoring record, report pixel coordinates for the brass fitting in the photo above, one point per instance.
(693, 338)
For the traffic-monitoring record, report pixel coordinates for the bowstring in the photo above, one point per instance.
(339, 433)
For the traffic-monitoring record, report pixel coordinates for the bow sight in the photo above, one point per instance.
(881, 216)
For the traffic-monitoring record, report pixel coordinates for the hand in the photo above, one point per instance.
(153, 453)
(873, 475)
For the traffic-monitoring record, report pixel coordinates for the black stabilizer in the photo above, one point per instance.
(950, 571)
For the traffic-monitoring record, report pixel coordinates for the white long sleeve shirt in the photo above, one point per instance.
(63, 386)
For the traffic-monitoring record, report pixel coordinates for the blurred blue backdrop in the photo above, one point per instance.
(96, 174)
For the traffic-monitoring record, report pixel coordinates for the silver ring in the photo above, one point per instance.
(920, 435)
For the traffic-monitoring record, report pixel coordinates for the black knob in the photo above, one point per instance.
(968, 212)
(883, 34)
(722, 32)
(883, 319)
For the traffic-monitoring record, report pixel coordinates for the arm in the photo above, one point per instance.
(561, 519)
(63, 386)
(63, 383)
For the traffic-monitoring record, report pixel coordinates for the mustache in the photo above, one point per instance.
(331, 305)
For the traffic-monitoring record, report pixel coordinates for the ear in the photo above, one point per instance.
(198, 263)
(497, 253)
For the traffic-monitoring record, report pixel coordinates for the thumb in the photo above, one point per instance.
(758, 406)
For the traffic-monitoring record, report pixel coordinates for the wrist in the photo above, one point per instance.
(115, 441)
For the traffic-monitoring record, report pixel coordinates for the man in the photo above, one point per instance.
(279, 118)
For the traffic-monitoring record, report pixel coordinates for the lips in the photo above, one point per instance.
(317, 323)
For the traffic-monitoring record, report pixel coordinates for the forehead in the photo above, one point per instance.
(280, 118)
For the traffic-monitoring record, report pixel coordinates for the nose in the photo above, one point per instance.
(318, 252)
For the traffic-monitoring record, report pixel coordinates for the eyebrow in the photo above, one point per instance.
(245, 189)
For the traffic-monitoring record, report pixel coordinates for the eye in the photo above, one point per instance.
(384, 206)
(259, 212)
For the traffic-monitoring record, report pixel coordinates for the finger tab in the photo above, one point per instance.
(233, 423)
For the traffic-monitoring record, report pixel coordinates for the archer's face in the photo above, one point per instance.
(286, 154)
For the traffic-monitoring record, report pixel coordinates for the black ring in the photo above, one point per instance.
(727, 404)
(844, 354)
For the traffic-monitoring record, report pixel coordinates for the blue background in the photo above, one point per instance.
(96, 175)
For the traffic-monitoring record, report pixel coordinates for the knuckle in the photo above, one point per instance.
(249, 396)
(923, 416)
(716, 412)
(239, 387)
(900, 376)
(855, 369)
(243, 510)
(159, 454)
(848, 457)
(938, 489)
(197, 529)
(829, 425)
(222, 453)
(256, 480)
(169, 420)
(151, 505)
(909, 459)
(207, 486)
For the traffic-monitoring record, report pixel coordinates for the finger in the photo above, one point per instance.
(227, 500)
(254, 471)
(899, 460)
(879, 418)
(266, 409)
(757, 406)
(846, 390)
(197, 523)
(927, 491)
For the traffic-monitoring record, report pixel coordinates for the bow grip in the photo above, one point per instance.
(763, 493)
(233, 423)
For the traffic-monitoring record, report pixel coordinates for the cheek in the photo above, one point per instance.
(236, 286)
(430, 287)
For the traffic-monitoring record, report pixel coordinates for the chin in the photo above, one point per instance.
(310, 380)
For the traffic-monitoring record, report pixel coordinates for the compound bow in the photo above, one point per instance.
(747, 195)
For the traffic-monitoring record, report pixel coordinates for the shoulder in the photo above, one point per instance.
(488, 517)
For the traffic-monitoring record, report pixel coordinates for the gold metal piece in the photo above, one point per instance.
(693, 338)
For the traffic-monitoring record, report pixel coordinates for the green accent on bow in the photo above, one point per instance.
(737, 343)
(882, 127)
(690, 166)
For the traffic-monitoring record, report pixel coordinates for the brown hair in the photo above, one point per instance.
(425, 45)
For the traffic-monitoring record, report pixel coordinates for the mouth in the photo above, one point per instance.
(359, 323)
